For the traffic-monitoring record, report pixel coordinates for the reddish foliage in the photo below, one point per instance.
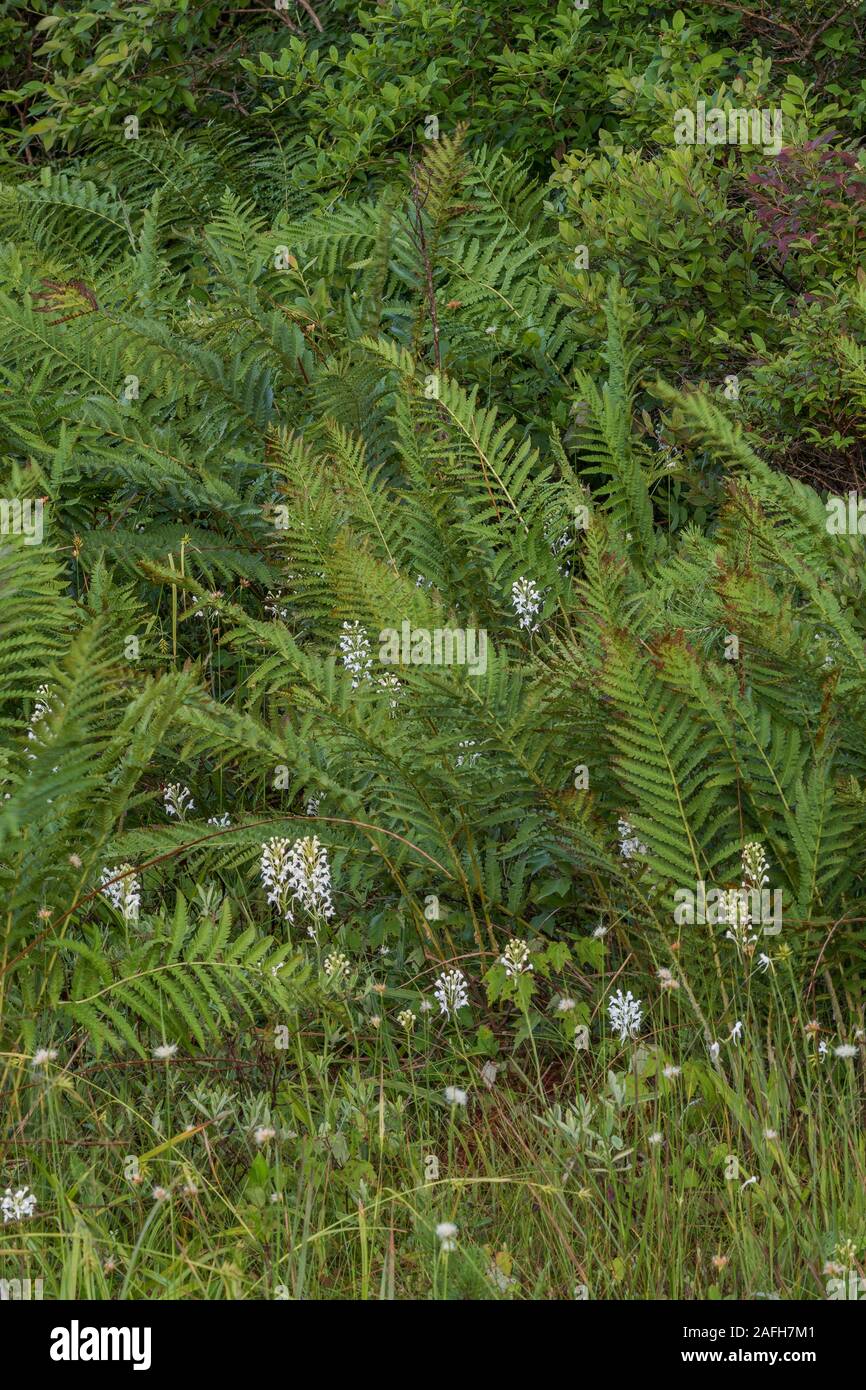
(793, 195)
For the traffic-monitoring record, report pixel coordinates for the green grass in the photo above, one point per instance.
(574, 1172)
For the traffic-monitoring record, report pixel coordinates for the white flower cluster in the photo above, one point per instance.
(310, 877)
(221, 822)
(526, 600)
(735, 914)
(274, 606)
(40, 710)
(470, 759)
(298, 874)
(335, 965)
(451, 992)
(178, 800)
(17, 1205)
(516, 958)
(275, 859)
(206, 610)
(755, 866)
(125, 894)
(357, 653)
(394, 687)
(629, 843)
(735, 909)
(626, 1014)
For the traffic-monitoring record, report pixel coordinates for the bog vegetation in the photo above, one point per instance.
(333, 967)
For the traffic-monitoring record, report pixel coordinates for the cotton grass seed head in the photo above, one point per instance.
(454, 1096)
(446, 1233)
